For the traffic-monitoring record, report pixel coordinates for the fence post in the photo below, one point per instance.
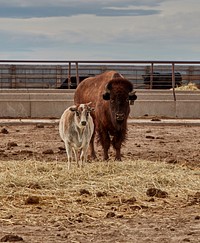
(13, 76)
(173, 82)
(151, 76)
(58, 76)
(77, 74)
(69, 76)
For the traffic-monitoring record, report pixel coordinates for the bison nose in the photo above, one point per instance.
(83, 123)
(120, 117)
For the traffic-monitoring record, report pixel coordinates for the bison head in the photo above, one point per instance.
(119, 92)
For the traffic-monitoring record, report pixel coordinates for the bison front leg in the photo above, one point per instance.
(117, 143)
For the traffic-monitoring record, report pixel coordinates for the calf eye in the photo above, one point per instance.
(77, 113)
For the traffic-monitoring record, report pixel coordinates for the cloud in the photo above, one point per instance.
(38, 9)
(93, 29)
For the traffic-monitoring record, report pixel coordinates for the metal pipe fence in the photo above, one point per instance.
(68, 73)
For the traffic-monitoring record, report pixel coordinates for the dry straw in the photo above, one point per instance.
(189, 86)
(92, 191)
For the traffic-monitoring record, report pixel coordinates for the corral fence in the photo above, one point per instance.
(16, 74)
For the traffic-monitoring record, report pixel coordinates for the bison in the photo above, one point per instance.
(76, 129)
(110, 94)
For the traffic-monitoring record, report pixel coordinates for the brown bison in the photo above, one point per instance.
(109, 93)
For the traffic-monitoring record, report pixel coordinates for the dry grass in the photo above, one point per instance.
(58, 191)
(189, 86)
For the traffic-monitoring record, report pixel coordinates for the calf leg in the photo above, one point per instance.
(83, 157)
(76, 155)
(69, 154)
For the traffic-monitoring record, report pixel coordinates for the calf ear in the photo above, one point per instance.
(91, 109)
(73, 108)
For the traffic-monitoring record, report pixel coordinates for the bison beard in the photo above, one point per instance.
(110, 94)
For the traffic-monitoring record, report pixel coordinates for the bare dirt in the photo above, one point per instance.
(178, 145)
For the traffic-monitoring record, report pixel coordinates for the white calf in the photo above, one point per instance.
(76, 128)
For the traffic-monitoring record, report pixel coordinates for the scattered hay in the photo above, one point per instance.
(189, 86)
(50, 189)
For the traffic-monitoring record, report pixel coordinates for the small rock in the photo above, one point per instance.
(155, 119)
(172, 161)
(197, 195)
(4, 131)
(110, 215)
(84, 191)
(11, 238)
(12, 144)
(101, 194)
(32, 200)
(154, 192)
(131, 200)
(48, 151)
(39, 126)
(34, 186)
(61, 148)
(9, 216)
(148, 131)
(150, 137)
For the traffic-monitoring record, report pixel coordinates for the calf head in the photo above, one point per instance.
(81, 114)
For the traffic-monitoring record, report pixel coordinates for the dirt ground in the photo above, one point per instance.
(171, 144)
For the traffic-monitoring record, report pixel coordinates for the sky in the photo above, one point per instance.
(166, 30)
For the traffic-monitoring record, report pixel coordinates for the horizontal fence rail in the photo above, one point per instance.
(67, 74)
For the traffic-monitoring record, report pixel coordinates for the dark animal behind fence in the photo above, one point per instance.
(73, 82)
(162, 80)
